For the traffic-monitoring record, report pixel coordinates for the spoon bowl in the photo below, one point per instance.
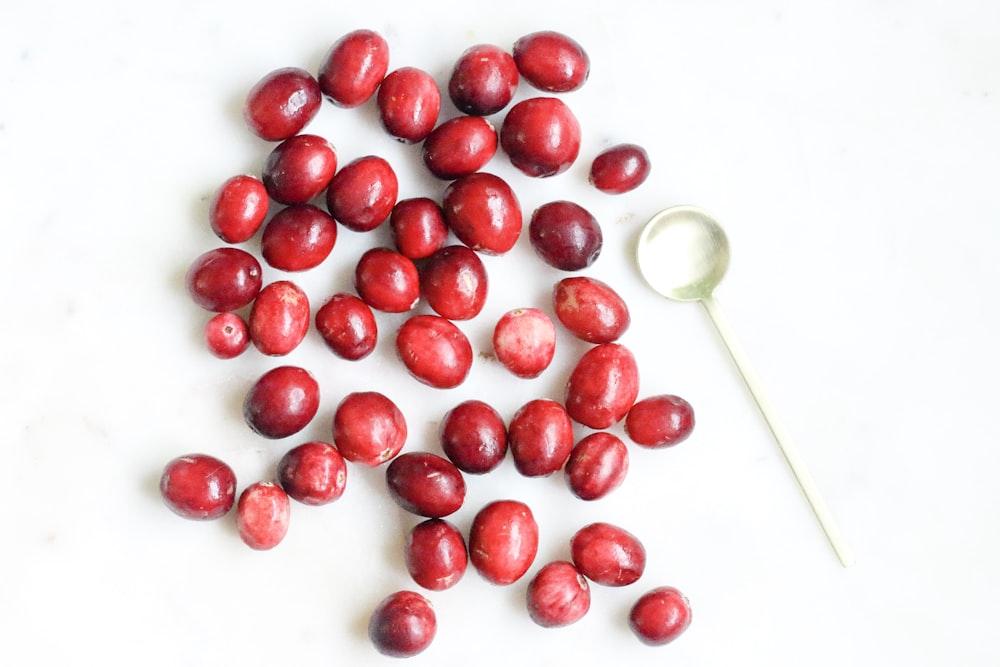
(683, 253)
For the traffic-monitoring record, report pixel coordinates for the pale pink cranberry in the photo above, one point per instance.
(387, 280)
(299, 169)
(483, 80)
(434, 351)
(503, 541)
(298, 238)
(590, 309)
(540, 437)
(198, 486)
(435, 554)
(459, 147)
(313, 473)
(608, 555)
(279, 318)
(474, 437)
(238, 208)
(425, 484)
(408, 104)
(354, 67)
(224, 279)
(551, 61)
(281, 402)
(541, 136)
(660, 616)
(660, 421)
(418, 227)
(368, 428)
(227, 335)
(348, 327)
(558, 595)
(620, 169)
(262, 515)
(524, 341)
(565, 235)
(282, 103)
(362, 194)
(482, 210)
(597, 465)
(402, 625)
(453, 280)
(602, 386)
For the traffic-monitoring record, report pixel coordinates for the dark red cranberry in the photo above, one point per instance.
(660, 421)
(551, 61)
(402, 625)
(408, 104)
(558, 595)
(281, 402)
(597, 465)
(282, 103)
(299, 169)
(565, 235)
(608, 555)
(387, 280)
(483, 212)
(368, 428)
(503, 541)
(418, 227)
(620, 169)
(279, 318)
(262, 514)
(660, 616)
(354, 67)
(590, 309)
(434, 351)
(298, 238)
(459, 147)
(603, 386)
(540, 437)
(313, 473)
(483, 80)
(541, 136)
(453, 281)
(435, 554)
(474, 437)
(224, 279)
(198, 486)
(348, 326)
(227, 335)
(362, 194)
(524, 341)
(238, 208)
(425, 484)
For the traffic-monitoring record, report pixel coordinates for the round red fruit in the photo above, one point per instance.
(298, 238)
(387, 280)
(524, 341)
(558, 595)
(454, 282)
(348, 327)
(565, 235)
(227, 335)
(402, 625)
(281, 402)
(551, 61)
(262, 515)
(418, 227)
(354, 67)
(198, 486)
(503, 541)
(224, 279)
(299, 169)
(608, 555)
(660, 421)
(541, 136)
(603, 386)
(459, 147)
(282, 103)
(238, 208)
(313, 473)
(362, 194)
(660, 616)
(597, 465)
(408, 104)
(620, 169)
(435, 554)
(434, 351)
(483, 212)
(425, 484)
(368, 428)
(590, 309)
(540, 437)
(483, 80)
(474, 437)
(279, 318)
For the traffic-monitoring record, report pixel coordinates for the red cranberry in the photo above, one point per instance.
(551, 61)
(454, 282)
(408, 104)
(198, 486)
(459, 147)
(541, 136)
(425, 484)
(347, 326)
(540, 436)
(473, 435)
(298, 238)
(660, 421)
(608, 555)
(299, 169)
(603, 386)
(313, 473)
(262, 515)
(620, 169)
(238, 208)
(402, 625)
(483, 212)
(483, 80)
(354, 67)
(597, 465)
(387, 280)
(281, 402)
(660, 616)
(227, 335)
(435, 554)
(524, 341)
(368, 428)
(590, 309)
(224, 279)
(565, 235)
(279, 318)
(503, 541)
(558, 595)
(282, 103)
(434, 351)
(362, 194)
(418, 227)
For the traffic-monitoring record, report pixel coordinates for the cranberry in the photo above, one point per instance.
(540, 436)
(524, 341)
(425, 484)
(362, 194)
(483, 80)
(483, 212)
(603, 386)
(454, 282)
(313, 473)
(590, 309)
(597, 465)
(418, 227)
(620, 169)
(298, 238)
(387, 280)
(660, 421)
(541, 136)
(434, 351)
(408, 104)
(224, 279)
(402, 625)
(565, 235)
(558, 595)
(238, 208)
(551, 61)
(660, 616)
(354, 67)
(608, 555)
(279, 318)
(282, 103)
(435, 554)
(473, 435)
(227, 335)
(368, 428)
(503, 541)
(281, 402)
(299, 169)
(262, 515)
(347, 326)
(459, 147)
(198, 486)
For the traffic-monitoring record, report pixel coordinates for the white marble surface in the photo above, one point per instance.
(851, 149)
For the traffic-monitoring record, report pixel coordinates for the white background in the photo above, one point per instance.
(851, 149)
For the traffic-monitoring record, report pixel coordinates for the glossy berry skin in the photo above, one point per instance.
(434, 351)
(620, 169)
(435, 554)
(409, 103)
(483, 212)
(299, 169)
(313, 473)
(602, 386)
(474, 437)
(541, 136)
(565, 235)
(425, 484)
(198, 486)
(597, 465)
(262, 514)
(483, 80)
(459, 147)
(224, 279)
(418, 227)
(551, 61)
(238, 208)
(608, 555)
(368, 428)
(402, 625)
(387, 280)
(281, 402)
(590, 309)
(227, 335)
(660, 421)
(524, 341)
(540, 437)
(362, 194)
(503, 541)
(354, 67)
(454, 282)
(279, 318)
(348, 327)
(282, 103)
(558, 595)
(298, 238)
(660, 616)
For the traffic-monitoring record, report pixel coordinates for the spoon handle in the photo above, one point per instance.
(791, 454)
